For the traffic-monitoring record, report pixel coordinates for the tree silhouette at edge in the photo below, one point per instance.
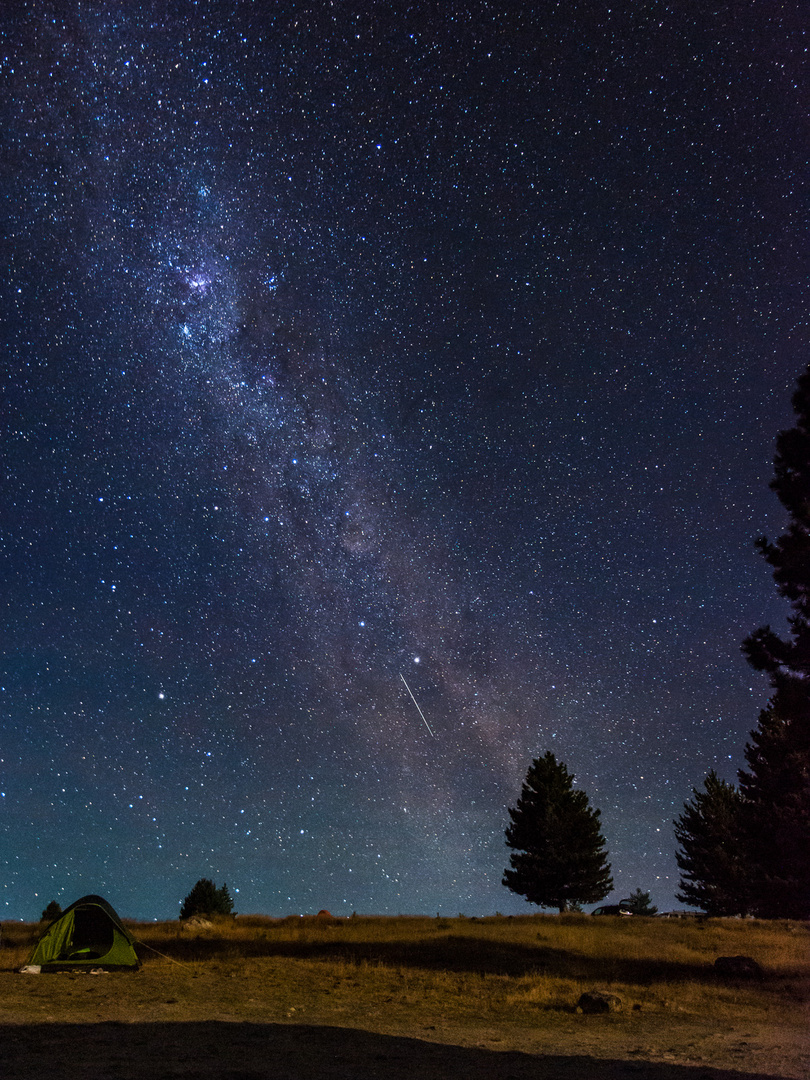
(776, 786)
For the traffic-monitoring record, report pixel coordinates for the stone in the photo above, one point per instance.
(196, 922)
(599, 1001)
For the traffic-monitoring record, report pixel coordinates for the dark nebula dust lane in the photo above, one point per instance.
(389, 397)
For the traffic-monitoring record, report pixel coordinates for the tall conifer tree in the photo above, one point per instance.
(776, 787)
(559, 857)
(788, 662)
(776, 813)
(714, 874)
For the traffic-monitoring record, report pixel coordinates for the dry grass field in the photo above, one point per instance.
(404, 997)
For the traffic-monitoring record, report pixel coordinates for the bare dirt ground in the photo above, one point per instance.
(268, 1017)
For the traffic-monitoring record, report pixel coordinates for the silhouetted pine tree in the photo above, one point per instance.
(224, 900)
(776, 814)
(206, 899)
(788, 662)
(640, 903)
(776, 787)
(51, 912)
(715, 873)
(559, 856)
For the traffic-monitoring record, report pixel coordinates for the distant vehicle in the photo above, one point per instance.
(622, 908)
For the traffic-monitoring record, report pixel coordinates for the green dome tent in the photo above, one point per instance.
(86, 935)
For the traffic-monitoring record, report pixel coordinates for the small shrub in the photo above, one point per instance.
(51, 912)
(206, 899)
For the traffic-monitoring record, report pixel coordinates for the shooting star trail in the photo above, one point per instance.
(416, 703)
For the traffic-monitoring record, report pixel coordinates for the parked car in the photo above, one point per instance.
(613, 909)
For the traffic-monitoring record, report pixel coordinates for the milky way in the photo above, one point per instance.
(355, 348)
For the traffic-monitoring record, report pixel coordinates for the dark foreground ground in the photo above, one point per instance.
(245, 1051)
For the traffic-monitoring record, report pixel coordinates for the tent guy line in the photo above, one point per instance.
(416, 703)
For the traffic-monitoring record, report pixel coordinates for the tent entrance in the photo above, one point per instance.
(93, 935)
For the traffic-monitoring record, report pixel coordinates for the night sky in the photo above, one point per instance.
(349, 344)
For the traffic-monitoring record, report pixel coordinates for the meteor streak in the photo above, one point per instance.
(416, 703)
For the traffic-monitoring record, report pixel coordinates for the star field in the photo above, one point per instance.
(347, 342)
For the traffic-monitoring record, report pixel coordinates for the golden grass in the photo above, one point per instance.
(505, 966)
(502, 983)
